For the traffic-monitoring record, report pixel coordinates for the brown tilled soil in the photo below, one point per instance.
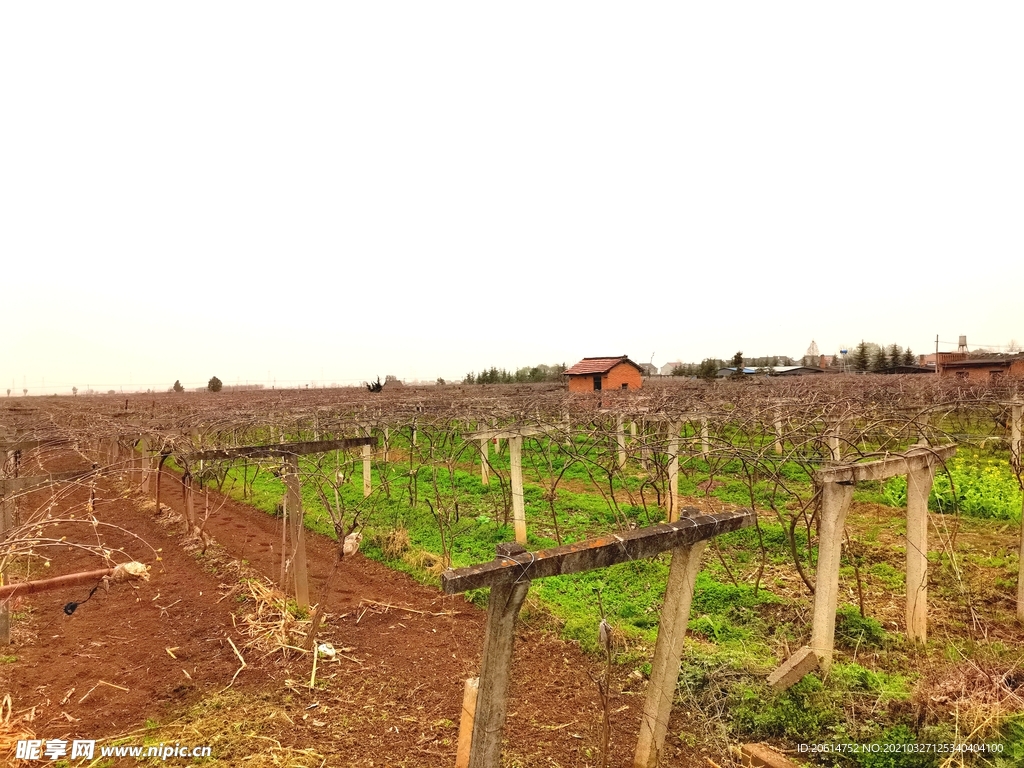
(154, 660)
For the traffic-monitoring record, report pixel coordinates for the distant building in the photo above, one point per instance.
(778, 370)
(667, 368)
(980, 369)
(649, 369)
(595, 374)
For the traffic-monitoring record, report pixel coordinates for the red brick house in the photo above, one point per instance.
(981, 370)
(594, 374)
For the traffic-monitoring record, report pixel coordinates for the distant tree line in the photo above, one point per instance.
(868, 356)
(709, 367)
(526, 375)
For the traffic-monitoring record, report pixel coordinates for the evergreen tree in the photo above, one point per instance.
(880, 361)
(215, 384)
(909, 358)
(859, 359)
(177, 386)
(895, 354)
(707, 369)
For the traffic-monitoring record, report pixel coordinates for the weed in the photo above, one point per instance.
(856, 631)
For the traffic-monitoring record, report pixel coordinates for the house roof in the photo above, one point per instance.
(592, 365)
(980, 362)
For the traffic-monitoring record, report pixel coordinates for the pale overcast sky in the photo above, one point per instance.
(336, 191)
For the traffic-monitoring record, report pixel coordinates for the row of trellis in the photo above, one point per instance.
(836, 442)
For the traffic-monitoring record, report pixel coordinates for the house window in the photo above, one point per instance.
(962, 375)
(625, 386)
(597, 382)
(996, 375)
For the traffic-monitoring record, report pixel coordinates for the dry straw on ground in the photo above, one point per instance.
(272, 623)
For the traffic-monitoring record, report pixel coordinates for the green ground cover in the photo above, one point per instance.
(748, 607)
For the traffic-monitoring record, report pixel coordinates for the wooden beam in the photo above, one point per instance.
(18, 484)
(28, 445)
(915, 459)
(281, 449)
(507, 434)
(596, 553)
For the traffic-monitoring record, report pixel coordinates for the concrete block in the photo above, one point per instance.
(793, 669)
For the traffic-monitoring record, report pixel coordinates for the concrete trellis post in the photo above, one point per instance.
(835, 447)
(484, 462)
(836, 484)
(367, 457)
(778, 433)
(367, 469)
(919, 485)
(668, 654)
(835, 503)
(293, 505)
(515, 451)
(672, 509)
(620, 441)
(492, 694)
(140, 462)
(705, 442)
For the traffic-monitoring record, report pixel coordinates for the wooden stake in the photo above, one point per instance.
(469, 697)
